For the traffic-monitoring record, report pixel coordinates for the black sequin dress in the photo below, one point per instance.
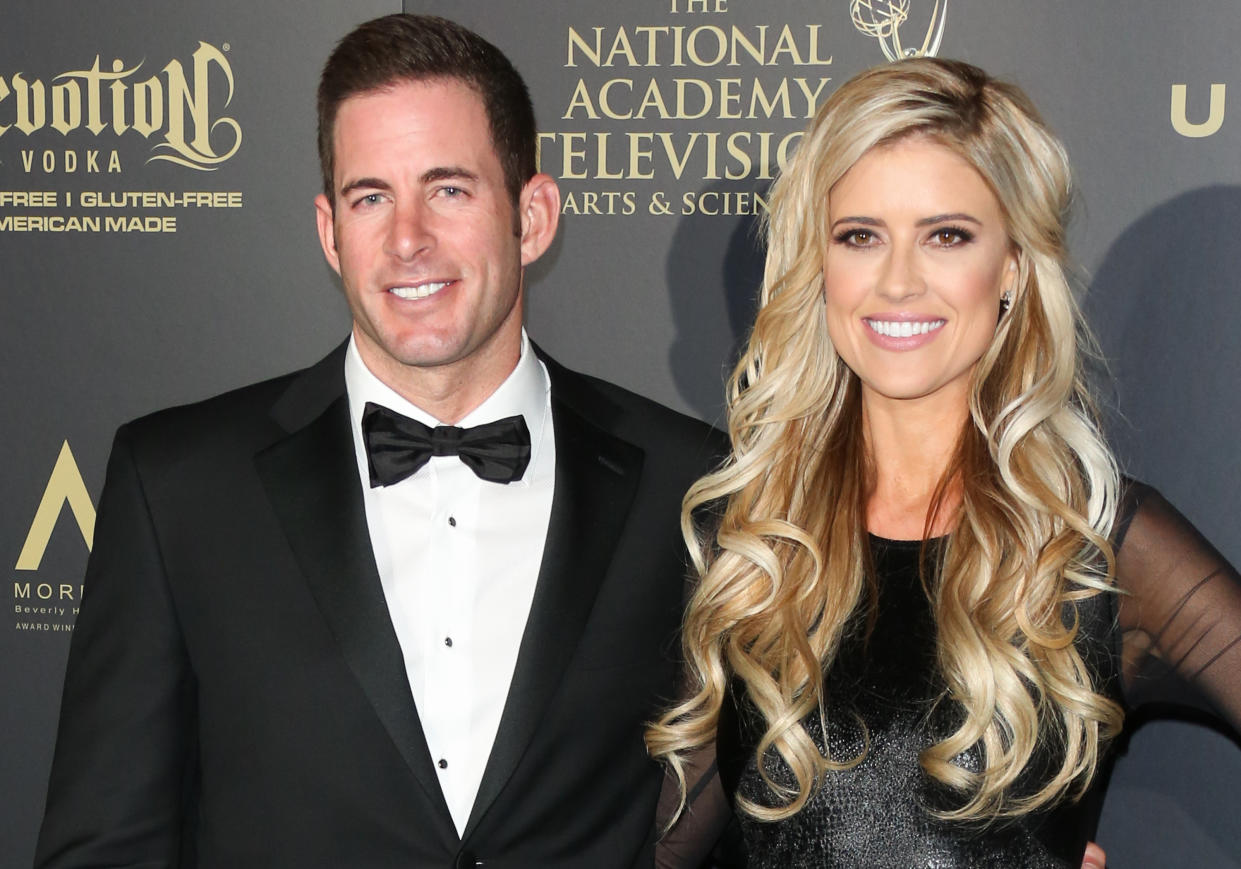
(1182, 608)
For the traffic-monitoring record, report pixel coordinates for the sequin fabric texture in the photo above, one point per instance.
(878, 813)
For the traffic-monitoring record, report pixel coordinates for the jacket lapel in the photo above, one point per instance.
(311, 477)
(597, 478)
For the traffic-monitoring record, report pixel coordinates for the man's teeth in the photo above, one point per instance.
(419, 292)
(904, 328)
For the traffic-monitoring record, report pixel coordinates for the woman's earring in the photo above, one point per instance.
(1006, 301)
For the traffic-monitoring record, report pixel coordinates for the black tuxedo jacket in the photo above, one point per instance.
(236, 696)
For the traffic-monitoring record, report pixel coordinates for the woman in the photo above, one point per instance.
(921, 558)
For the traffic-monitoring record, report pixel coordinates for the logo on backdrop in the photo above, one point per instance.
(882, 19)
(1214, 119)
(121, 102)
(693, 110)
(43, 603)
(68, 135)
(689, 110)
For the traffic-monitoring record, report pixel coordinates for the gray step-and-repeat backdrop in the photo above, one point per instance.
(157, 245)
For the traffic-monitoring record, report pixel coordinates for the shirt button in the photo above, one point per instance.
(448, 642)
(452, 521)
(443, 764)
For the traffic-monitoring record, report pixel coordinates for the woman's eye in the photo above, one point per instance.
(856, 237)
(950, 236)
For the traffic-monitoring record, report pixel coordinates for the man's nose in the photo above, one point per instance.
(410, 232)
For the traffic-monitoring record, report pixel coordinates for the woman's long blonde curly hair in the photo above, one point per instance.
(783, 568)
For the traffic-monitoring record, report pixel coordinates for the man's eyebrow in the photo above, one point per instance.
(439, 173)
(365, 183)
(447, 173)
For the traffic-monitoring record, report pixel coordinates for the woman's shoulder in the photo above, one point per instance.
(1135, 494)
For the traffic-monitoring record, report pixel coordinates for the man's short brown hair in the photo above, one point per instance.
(399, 48)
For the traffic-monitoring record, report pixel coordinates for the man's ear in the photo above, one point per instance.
(539, 210)
(327, 231)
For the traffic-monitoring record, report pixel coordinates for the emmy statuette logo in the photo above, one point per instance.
(882, 19)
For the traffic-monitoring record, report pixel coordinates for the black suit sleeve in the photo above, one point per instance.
(125, 744)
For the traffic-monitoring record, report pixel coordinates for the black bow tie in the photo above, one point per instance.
(397, 446)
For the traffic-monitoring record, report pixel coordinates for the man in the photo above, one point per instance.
(319, 634)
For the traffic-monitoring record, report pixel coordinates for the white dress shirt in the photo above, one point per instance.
(459, 558)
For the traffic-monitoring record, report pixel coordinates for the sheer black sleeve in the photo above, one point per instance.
(707, 812)
(1179, 609)
(688, 842)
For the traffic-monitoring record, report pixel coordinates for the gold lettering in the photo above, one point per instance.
(31, 113)
(712, 174)
(148, 107)
(568, 155)
(118, 97)
(764, 155)
(580, 100)
(601, 167)
(94, 79)
(606, 106)
(77, 96)
(65, 485)
(678, 161)
(650, 33)
(758, 95)
(812, 98)
(703, 46)
(730, 95)
(786, 44)
(593, 53)
(758, 53)
(738, 153)
(708, 98)
(621, 46)
(599, 202)
(653, 98)
(197, 153)
(4, 93)
(1209, 127)
(638, 153)
(786, 145)
(714, 202)
(721, 44)
(678, 56)
(815, 60)
(646, 155)
(538, 149)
